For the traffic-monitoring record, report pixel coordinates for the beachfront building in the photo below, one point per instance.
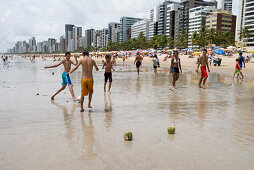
(186, 5)
(154, 18)
(140, 26)
(246, 20)
(221, 20)
(197, 19)
(51, 45)
(101, 38)
(227, 5)
(68, 34)
(173, 20)
(62, 44)
(125, 27)
(113, 32)
(90, 38)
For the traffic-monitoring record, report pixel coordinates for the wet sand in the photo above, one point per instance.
(214, 127)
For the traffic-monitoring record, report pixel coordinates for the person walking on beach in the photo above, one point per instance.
(66, 80)
(203, 61)
(138, 62)
(174, 68)
(241, 62)
(237, 69)
(87, 78)
(156, 64)
(108, 66)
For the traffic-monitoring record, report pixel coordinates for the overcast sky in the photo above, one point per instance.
(43, 19)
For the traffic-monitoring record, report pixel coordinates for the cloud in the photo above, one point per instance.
(22, 19)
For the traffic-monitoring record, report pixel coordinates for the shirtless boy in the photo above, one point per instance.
(138, 62)
(203, 61)
(87, 78)
(65, 77)
(108, 66)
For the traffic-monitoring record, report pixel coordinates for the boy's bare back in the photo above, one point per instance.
(87, 67)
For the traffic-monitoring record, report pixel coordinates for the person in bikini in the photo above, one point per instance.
(138, 62)
(108, 66)
(203, 61)
(87, 78)
(66, 80)
(174, 68)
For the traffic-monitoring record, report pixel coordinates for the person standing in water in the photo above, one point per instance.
(156, 64)
(138, 62)
(203, 61)
(174, 68)
(66, 80)
(108, 66)
(241, 62)
(87, 78)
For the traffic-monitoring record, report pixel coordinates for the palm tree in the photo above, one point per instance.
(211, 36)
(194, 39)
(245, 34)
(203, 41)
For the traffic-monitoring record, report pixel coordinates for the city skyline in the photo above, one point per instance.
(19, 31)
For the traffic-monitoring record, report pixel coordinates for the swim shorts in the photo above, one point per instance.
(108, 76)
(86, 86)
(66, 79)
(175, 70)
(203, 71)
(138, 64)
(237, 71)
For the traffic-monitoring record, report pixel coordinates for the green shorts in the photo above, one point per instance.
(237, 71)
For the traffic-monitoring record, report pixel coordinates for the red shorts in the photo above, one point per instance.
(203, 71)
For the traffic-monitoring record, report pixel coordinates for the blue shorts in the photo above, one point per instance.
(66, 79)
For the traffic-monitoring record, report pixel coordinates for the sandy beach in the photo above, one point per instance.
(214, 126)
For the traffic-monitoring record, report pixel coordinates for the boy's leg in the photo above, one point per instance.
(62, 88)
(200, 81)
(81, 104)
(109, 86)
(105, 84)
(72, 93)
(90, 99)
(204, 81)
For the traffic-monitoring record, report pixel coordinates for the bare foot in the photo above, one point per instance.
(52, 98)
(82, 110)
(89, 106)
(200, 86)
(75, 100)
(204, 87)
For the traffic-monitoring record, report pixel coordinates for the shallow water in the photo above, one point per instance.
(214, 127)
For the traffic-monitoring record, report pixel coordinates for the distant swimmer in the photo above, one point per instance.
(66, 80)
(203, 61)
(138, 62)
(175, 67)
(87, 78)
(108, 66)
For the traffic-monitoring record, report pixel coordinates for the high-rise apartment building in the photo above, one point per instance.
(221, 20)
(173, 20)
(227, 5)
(140, 26)
(246, 20)
(197, 19)
(90, 38)
(113, 32)
(125, 27)
(68, 35)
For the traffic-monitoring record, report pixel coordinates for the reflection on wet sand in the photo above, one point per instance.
(108, 111)
(202, 107)
(88, 139)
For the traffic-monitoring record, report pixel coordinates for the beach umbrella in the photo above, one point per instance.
(250, 51)
(219, 52)
(197, 53)
(209, 52)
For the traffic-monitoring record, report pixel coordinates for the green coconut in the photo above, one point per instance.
(171, 130)
(128, 136)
